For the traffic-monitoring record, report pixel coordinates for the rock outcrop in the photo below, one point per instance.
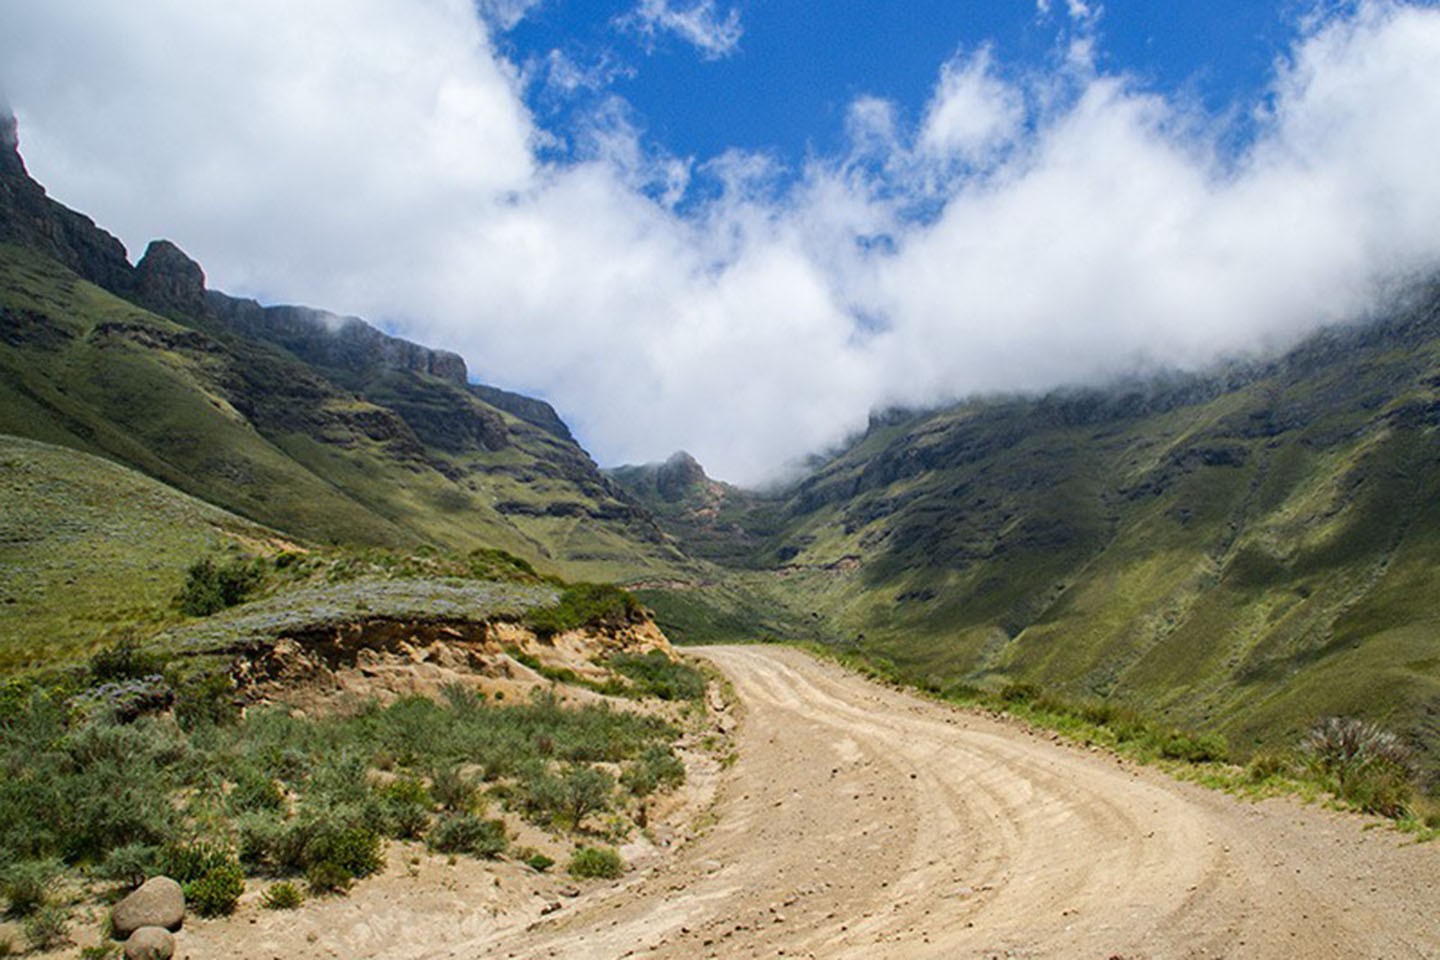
(167, 280)
(30, 218)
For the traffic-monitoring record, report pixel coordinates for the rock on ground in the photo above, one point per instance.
(150, 943)
(159, 902)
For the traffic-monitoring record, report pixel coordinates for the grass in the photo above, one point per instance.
(213, 798)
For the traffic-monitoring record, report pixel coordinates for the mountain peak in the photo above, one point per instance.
(166, 278)
(11, 165)
(679, 474)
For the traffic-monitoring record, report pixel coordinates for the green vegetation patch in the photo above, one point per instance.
(582, 605)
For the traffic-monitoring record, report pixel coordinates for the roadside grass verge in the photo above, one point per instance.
(1363, 773)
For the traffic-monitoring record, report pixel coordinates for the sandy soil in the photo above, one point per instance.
(862, 822)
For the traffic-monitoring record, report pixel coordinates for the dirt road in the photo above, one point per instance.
(861, 822)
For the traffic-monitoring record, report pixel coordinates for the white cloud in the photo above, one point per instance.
(374, 156)
(700, 23)
(972, 113)
(505, 14)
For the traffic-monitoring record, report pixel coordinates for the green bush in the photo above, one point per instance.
(453, 790)
(255, 792)
(1194, 748)
(405, 806)
(124, 660)
(1363, 764)
(28, 884)
(602, 862)
(130, 865)
(467, 833)
(328, 878)
(658, 767)
(539, 862)
(210, 587)
(586, 605)
(350, 848)
(184, 862)
(656, 675)
(570, 796)
(282, 896)
(1263, 766)
(47, 928)
(206, 699)
(216, 893)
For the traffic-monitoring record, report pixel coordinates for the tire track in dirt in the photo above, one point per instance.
(863, 822)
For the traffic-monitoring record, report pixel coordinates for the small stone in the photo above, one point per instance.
(150, 943)
(159, 902)
(569, 891)
(549, 908)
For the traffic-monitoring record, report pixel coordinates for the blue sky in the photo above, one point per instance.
(737, 227)
(795, 67)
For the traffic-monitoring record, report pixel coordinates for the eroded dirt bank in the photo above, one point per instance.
(861, 822)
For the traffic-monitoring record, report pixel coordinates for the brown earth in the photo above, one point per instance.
(863, 822)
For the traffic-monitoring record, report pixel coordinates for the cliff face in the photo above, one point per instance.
(31, 219)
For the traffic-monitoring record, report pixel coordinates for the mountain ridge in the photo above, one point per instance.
(316, 424)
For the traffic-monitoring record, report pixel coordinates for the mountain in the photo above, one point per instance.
(317, 425)
(1244, 551)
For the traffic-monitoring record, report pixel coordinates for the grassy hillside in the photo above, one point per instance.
(89, 548)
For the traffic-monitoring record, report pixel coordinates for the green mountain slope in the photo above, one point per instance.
(88, 546)
(320, 426)
(1242, 553)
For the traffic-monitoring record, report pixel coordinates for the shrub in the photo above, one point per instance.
(1019, 692)
(216, 893)
(261, 839)
(571, 796)
(255, 792)
(1364, 764)
(209, 873)
(328, 878)
(467, 833)
(654, 674)
(27, 885)
(124, 660)
(539, 862)
(282, 896)
(207, 699)
(47, 928)
(657, 767)
(130, 865)
(210, 588)
(1194, 748)
(586, 605)
(184, 862)
(602, 862)
(453, 790)
(1263, 766)
(405, 806)
(100, 951)
(331, 849)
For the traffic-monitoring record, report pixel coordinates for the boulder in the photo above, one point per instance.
(150, 943)
(159, 902)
